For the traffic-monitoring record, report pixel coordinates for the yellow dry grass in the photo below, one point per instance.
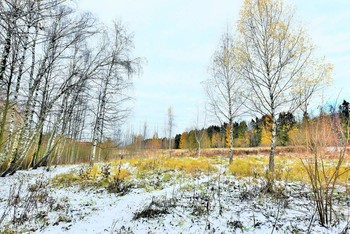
(186, 165)
(286, 168)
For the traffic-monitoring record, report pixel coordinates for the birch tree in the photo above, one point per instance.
(170, 126)
(113, 82)
(47, 83)
(19, 22)
(49, 66)
(276, 59)
(67, 51)
(225, 86)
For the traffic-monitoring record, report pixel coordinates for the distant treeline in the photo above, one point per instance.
(253, 133)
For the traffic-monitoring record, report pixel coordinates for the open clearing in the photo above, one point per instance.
(160, 195)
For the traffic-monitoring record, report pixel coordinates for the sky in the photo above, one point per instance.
(179, 37)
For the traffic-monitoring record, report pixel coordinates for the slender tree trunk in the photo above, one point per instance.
(16, 93)
(5, 54)
(4, 114)
(95, 136)
(199, 148)
(273, 146)
(231, 141)
(37, 148)
(76, 151)
(4, 62)
(51, 145)
(7, 107)
(93, 154)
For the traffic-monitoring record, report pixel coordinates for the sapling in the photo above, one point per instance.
(321, 133)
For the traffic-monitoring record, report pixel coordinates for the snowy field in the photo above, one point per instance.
(161, 202)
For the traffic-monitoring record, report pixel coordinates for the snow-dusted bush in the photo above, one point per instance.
(28, 206)
(113, 179)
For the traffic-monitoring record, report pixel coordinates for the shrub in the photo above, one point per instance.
(154, 209)
(327, 166)
(113, 179)
(27, 205)
(118, 186)
(121, 174)
(65, 180)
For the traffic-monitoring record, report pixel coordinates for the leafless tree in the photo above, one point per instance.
(170, 126)
(276, 61)
(144, 135)
(48, 65)
(225, 87)
(113, 81)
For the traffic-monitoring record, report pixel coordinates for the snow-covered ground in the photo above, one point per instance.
(212, 203)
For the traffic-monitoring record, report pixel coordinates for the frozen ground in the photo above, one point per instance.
(215, 203)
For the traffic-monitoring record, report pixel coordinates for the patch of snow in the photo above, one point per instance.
(216, 203)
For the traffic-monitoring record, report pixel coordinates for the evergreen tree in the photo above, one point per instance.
(242, 139)
(285, 123)
(242, 128)
(177, 141)
(344, 114)
(256, 127)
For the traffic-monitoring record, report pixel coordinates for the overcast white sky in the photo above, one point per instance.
(178, 38)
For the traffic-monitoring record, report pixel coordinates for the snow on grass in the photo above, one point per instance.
(162, 200)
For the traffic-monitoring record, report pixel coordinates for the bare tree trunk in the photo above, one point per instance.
(199, 148)
(51, 145)
(3, 65)
(225, 87)
(4, 115)
(93, 154)
(231, 141)
(273, 146)
(5, 54)
(170, 127)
